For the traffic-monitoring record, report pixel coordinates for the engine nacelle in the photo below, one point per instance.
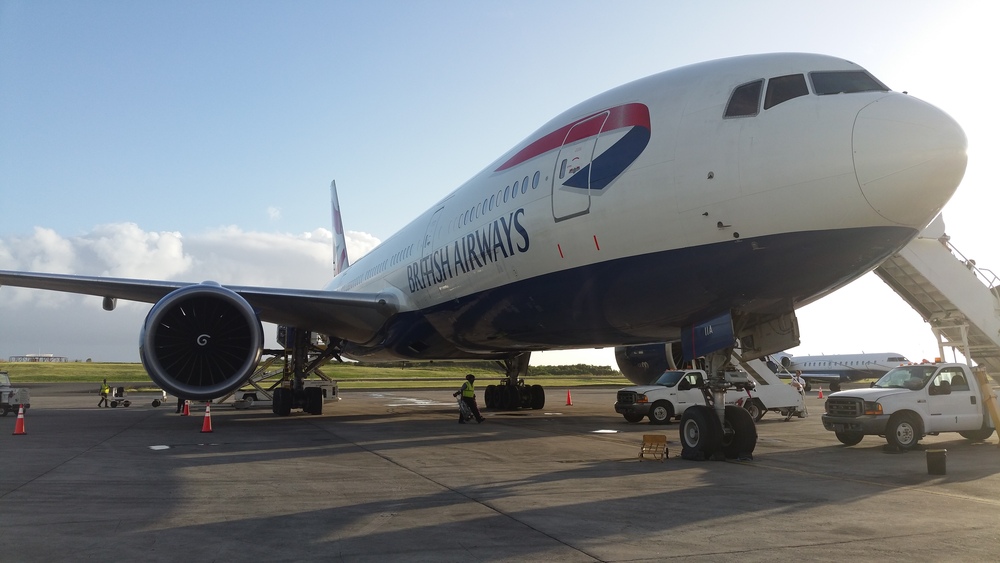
(644, 363)
(201, 341)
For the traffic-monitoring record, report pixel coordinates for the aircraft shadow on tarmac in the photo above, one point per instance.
(513, 487)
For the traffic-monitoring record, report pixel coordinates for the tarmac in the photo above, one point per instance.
(391, 476)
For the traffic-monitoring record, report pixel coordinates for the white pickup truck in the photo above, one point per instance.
(910, 402)
(676, 390)
(11, 397)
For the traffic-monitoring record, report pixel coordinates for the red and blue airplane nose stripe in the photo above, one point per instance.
(608, 165)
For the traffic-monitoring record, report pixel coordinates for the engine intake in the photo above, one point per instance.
(201, 341)
(643, 364)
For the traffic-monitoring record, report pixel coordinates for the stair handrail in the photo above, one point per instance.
(985, 275)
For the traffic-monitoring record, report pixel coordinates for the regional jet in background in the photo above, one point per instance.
(667, 209)
(836, 369)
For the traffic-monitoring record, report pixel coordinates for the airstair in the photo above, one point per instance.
(960, 300)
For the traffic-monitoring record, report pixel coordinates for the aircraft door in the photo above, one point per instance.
(428, 244)
(571, 177)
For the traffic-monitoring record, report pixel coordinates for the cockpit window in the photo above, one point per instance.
(784, 88)
(845, 82)
(745, 100)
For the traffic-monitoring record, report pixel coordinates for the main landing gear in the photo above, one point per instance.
(512, 393)
(714, 430)
(282, 378)
(302, 357)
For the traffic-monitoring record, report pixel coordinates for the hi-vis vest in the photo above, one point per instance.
(467, 390)
(105, 389)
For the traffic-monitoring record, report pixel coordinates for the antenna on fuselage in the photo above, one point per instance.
(340, 260)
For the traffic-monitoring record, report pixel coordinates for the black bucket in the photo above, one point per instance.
(937, 462)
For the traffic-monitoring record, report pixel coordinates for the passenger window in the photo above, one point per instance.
(745, 100)
(784, 88)
(845, 82)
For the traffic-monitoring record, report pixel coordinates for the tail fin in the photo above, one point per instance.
(340, 260)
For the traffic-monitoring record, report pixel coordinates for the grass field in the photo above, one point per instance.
(347, 375)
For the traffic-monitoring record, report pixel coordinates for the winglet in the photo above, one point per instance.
(340, 260)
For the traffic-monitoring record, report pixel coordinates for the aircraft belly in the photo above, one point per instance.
(643, 298)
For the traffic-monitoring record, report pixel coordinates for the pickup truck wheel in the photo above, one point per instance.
(849, 438)
(632, 417)
(741, 438)
(701, 433)
(755, 408)
(661, 412)
(977, 435)
(903, 431)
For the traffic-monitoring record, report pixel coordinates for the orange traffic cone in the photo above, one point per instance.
(19, 425)
(207, 425)
(820, 396)
(569, 399)
(186, 411)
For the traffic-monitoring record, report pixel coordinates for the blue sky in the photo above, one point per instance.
(195, 140)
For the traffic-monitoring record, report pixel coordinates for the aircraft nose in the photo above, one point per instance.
(909, 158)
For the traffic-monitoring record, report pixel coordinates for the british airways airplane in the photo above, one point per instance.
(713, 198)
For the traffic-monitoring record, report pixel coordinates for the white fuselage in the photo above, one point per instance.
(691, 213)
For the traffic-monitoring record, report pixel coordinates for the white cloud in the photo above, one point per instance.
(274, 213)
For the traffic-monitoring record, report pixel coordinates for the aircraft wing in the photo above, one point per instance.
(357, 317)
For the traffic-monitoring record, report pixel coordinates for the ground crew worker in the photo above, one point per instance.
(104, 394)
(468, 393)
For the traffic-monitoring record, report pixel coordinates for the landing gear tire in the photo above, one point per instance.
(490, 396)
(281, 403)
(661, 412)
(633, 417)
(513, 397)
(314, 400)
(701, 433)
(903, 431)
(849, 438)
(835, 386)
(808, 387)
(739, 436)
(755, 408)
(537, 397)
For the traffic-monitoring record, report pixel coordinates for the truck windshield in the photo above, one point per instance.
(669, 378)
(906, 377)
(4, 380)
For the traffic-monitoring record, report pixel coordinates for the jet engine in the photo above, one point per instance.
(644, 363)
(201, 341)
